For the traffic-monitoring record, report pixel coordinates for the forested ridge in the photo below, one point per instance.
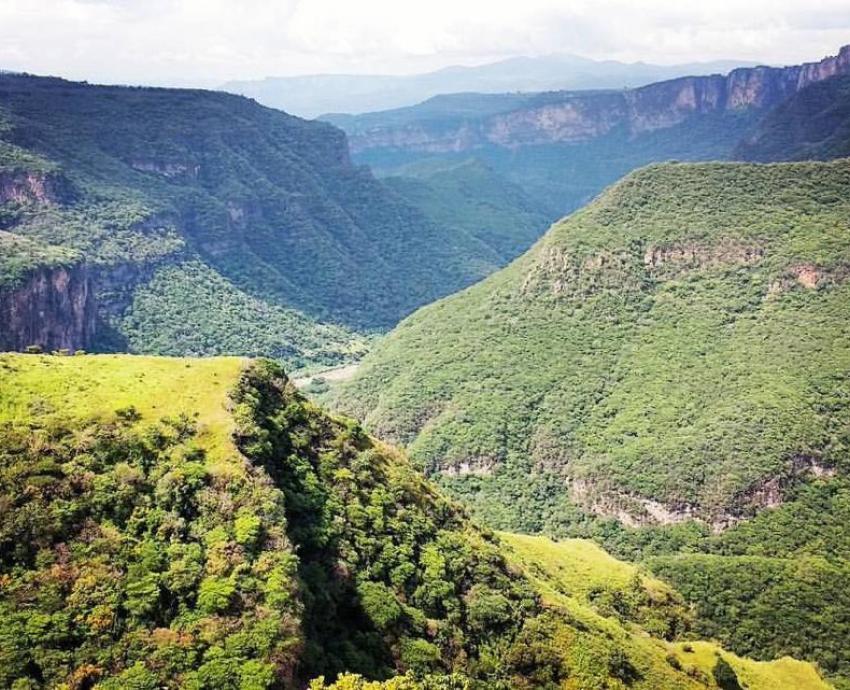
(168, 194)
(666, 372)
(198, 523)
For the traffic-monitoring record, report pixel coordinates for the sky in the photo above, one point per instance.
(208, 42)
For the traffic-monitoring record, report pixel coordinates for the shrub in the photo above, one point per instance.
(247, 530)
(418, 655)
(725, 676)
(214, 594)
(379, 604)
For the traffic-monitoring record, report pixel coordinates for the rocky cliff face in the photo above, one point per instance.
(53, 308)
(579, 116)
(31, 187)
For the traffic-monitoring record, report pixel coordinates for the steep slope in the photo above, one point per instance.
(776, 582)
(313, 95)
(164, 191)
(475, 200)
(814, 124)
(669, 362)
(581, 570)
(46, 295)
(676, 349)
(197, 523)
(564, 147)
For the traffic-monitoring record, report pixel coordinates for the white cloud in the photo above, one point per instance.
(209, 41)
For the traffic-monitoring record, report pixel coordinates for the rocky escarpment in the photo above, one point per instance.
(634, 510)
(566, 117)
(813, 124)
(32, 187)
(53, 307)
(167, 169)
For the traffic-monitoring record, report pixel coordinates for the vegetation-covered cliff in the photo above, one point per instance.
(213, 225)
(46, 296)
(672, 318)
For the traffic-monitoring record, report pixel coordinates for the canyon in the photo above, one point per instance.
(574, 116)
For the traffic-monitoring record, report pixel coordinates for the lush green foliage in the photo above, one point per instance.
(581, 578)
(121, 559)
(472, 198)
(694, 312)
(766, 586)
(765, 607)
(392, 575)
(771, 585)
(814, 124)
(407, 682)
(19, 256)
(197, 523)
(140, 178)
(191, 309)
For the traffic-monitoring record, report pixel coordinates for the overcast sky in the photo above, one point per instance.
(207, 42)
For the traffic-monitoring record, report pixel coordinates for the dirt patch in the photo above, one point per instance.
(335, 375)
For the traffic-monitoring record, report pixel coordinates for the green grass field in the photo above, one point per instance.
(567, 571)
(82, 388)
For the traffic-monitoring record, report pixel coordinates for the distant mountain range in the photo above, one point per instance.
(564, 147)
(314, 95)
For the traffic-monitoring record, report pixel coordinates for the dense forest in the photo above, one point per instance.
(209, 193)
(695, 313)
(198, 523)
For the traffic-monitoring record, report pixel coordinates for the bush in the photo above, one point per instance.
(725, 676)
(487, 609)
(214, 594)
(379, 604)
(247, 530)
(418, 655)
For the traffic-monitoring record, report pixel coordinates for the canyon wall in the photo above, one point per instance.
(24, 187)
(572, 116)
(54, 308)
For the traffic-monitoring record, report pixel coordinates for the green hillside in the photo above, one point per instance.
(667, 362)
(581, 570)
(814, 124)
(473, 199)
(165, 192)
(197, 523)
(776, 584)
(695, 312)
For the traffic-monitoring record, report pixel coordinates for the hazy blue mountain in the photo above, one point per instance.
(313, 95)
